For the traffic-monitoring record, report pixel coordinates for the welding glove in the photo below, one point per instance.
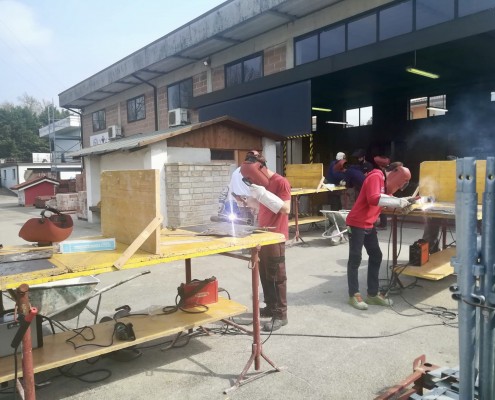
(392, 202)
(268, 199)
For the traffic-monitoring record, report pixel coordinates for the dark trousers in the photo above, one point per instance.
(359, 237)
(273, 278)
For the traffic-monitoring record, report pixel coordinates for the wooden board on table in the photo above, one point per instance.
(438, 179)
(56, 352)
(438, 266)
(304, 175)
(130, 200)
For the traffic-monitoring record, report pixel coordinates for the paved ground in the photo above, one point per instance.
(330, 350)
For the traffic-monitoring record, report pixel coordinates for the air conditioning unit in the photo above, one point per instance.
(178, 116)
(114, 132)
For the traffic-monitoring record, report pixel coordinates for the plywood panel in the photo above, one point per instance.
(304, 175)
(438, 179)
(129, 202)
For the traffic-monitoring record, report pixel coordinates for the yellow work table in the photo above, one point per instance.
(179, 244)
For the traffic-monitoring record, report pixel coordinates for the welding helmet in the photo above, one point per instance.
(397, 179)
(255, 172)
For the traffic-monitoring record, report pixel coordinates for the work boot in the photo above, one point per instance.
(379, 300)
(357, 302)
(275, 324)
(266, 312)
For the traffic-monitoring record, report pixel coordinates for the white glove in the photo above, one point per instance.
(392, 202)
(342, 183)
(268, 199)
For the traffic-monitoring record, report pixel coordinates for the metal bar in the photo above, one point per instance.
(22, 296)
(487, 317)
(466, 212)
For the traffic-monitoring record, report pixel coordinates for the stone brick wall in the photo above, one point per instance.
(275, 59)
(193, 191)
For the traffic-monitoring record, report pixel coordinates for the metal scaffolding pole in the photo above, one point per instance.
(466, 213)
(487, 314)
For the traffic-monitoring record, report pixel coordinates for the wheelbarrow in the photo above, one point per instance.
(65, 299)
(335, 226)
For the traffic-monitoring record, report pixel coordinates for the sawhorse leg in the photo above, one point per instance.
(256, 350)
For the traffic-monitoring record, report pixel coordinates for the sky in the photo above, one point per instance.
(48, 46)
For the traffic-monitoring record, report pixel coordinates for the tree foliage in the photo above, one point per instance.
(19, 128)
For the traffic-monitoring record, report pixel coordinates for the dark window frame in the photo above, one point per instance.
(240, 62)
(100, 122)
(184, 101)
(135, 117)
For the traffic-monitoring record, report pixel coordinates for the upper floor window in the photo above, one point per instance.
(429, 106)
(180, 94)
(396, 20)
(361, 32)
(430, 13)
(99, 121)
(467, 7)
(136, 109)
(244, 70)
(359, 116)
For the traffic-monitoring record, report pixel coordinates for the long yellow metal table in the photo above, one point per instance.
(174, 245)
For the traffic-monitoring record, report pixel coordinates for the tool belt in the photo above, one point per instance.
(46, 230)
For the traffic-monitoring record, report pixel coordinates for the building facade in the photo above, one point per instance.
(343, 72)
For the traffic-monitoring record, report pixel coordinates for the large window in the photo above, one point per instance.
(359, 116)
(467, 7)
(430, 13)
(99, 121)
(332, 41)
(429, 106)
(136, 109)
(244, 70)
(361, 32)
(179, 95)
(396, 20)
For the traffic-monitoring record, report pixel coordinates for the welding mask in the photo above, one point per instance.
(397, 179)
(254, 172)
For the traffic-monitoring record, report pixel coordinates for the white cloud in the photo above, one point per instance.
(18, 26)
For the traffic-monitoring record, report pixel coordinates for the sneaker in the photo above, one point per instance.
(379, 300)
(357, 302)
(275, 324)
(381, 228)
(265, 312)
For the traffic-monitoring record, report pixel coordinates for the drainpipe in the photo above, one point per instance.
(155, 100)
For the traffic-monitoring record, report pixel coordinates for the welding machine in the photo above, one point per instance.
(198, 292)
(419, 253)
(9, 328)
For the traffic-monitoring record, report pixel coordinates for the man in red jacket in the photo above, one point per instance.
(375, 194)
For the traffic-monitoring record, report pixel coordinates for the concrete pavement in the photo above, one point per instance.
(329, 350)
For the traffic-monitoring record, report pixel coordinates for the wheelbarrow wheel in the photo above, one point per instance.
(335, 237)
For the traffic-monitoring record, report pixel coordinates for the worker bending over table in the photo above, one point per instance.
(377, 190)
(273, 193)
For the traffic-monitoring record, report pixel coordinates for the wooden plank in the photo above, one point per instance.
(129, 201)
(145, 234)
(307, 220)
(438, 179)
(304, 175)
(56, 352)
(438, 267)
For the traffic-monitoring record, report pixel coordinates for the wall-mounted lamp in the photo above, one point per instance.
(321, 109)
(437, 109)
(207, 62)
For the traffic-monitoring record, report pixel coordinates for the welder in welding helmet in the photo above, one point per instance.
(257, 176)
(397, 178)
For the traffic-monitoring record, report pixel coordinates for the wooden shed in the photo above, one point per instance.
(29, 190)
(195, 163)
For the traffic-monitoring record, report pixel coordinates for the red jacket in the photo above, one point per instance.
(365, 211)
